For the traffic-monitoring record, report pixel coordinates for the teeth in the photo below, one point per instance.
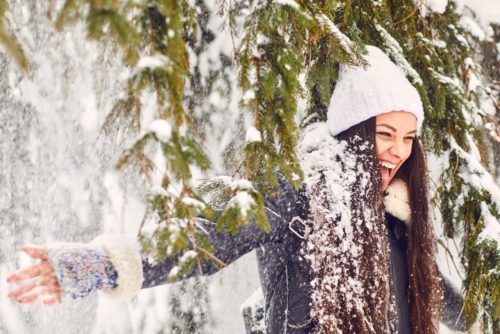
(387, 164)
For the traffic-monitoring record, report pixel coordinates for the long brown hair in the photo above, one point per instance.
(424, 283)
(425, 291)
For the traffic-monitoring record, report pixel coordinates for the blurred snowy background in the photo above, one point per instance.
(58, 182)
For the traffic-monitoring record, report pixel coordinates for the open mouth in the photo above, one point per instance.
(386, 169)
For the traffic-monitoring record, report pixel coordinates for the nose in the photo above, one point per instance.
(397, 149)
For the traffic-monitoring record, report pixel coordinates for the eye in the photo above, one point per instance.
(412, 138)
(384, 134)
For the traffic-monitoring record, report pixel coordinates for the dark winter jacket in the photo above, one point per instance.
(285, 276)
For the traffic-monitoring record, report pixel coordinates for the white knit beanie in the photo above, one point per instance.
(361, 93)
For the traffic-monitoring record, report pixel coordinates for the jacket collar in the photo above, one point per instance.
(396, 200)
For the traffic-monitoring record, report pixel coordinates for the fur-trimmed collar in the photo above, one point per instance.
(397, 202)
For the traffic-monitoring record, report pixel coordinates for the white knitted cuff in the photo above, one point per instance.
(124, 253)
(397, 201)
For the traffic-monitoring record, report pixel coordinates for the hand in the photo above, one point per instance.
(38, 281)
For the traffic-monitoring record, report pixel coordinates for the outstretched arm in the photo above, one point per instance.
(113, 264)
(227, 248)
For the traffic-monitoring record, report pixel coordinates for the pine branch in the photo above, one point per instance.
(9, 41)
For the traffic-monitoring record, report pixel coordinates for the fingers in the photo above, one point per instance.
(40, 269)
(52, 300)
(27, 273)
(47, 294)
(37, 281)
(35, 252)
(51, 285)
(15, 294)
(28, 299)
(47, 297)
(35, 270)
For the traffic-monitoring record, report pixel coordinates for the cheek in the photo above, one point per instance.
(408, 151)
(380, 147)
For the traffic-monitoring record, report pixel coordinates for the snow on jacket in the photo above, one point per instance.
(285, 276)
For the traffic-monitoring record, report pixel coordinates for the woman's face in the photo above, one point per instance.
(394, 135)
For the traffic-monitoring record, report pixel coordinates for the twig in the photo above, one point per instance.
(142, 160)
(212, 257)
(50, 9)
(237, 170)
(451, 256)
(195, 245)
(143, 220)
(417, 5)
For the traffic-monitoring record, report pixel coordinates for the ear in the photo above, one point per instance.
(397, 202)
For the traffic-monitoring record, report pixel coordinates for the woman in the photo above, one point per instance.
(352, 252)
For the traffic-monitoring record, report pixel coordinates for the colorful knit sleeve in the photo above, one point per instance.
(111, 264)
(81, 270)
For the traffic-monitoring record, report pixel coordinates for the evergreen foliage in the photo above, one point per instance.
(9, 42)
(193, 315)
(286, 51)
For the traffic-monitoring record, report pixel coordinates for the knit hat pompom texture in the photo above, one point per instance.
(361, 93)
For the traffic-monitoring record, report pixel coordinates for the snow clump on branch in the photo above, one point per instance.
(242, 184)
(243, 201)
(162, 130)
(189, 201)
(253, 135)
(153, 62)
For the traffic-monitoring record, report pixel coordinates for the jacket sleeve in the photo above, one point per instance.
(279, 210)
(113, 264)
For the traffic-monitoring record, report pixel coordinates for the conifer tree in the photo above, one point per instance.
(193, 315)
(285, 53)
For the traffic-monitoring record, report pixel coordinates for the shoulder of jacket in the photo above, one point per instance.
(397, 201)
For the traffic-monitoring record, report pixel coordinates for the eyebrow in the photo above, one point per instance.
(395, 130)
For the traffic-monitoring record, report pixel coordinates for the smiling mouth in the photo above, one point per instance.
(386, 169)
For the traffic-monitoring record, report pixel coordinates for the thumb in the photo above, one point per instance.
(35, 252)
